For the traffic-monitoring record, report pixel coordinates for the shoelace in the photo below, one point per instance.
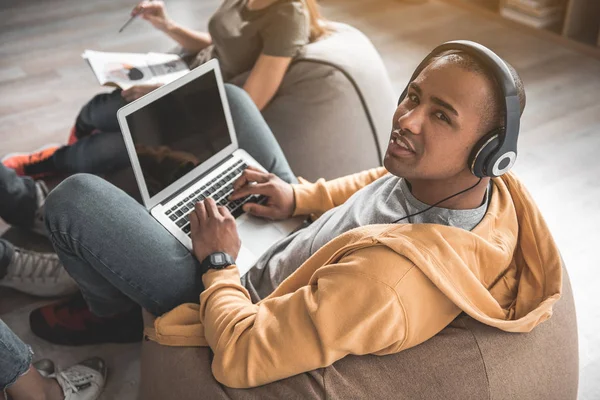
(72, 378)
(32, 265)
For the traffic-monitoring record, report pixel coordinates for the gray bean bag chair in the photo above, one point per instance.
(333, 112)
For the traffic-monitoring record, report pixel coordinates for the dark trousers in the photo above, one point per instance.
(18, 203)
(100, 148)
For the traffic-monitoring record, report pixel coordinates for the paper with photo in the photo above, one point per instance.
(125, 70)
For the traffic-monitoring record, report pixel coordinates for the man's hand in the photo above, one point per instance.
(213, 230)
(137, 91)
(155, 13)
(280, 202)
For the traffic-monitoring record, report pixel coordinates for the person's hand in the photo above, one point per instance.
(213, 230)
(155, 13)
(137, 91)
(280, 202)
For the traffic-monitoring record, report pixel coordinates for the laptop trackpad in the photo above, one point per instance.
(257, 234)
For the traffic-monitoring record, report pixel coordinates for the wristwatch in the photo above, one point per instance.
(218, 260)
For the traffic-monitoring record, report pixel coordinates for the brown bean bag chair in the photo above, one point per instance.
(466, 360)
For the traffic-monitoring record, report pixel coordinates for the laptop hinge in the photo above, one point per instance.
(177, 193)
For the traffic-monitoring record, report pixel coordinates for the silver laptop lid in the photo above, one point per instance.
(177, 132)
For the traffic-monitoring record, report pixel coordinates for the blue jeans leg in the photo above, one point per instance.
(255, 136)
(15, 357)
(117, 252)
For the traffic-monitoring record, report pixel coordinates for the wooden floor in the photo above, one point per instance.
(44, 81)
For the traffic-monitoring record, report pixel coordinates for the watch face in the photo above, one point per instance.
(218, 259)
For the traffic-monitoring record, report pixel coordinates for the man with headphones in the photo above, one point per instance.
(394, 254)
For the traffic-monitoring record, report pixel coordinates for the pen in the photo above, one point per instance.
(129, 21)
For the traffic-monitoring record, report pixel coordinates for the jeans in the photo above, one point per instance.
(18, 203)
(97, 153)
(15, 357)
(117, 252)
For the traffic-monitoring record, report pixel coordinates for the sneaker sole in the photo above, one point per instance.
(45, 147)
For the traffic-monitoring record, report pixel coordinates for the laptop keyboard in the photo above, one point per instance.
(219, 189)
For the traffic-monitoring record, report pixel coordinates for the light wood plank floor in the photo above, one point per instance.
(43, 82)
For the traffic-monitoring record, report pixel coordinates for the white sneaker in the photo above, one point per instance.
(38, 274)
(83, 381)
(39, 225)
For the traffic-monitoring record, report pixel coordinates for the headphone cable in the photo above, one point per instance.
(441, 201)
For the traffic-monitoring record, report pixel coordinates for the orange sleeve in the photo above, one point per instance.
(321, 196)
(255, 344)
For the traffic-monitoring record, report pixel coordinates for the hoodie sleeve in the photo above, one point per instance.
(341, 313)
(321, 196)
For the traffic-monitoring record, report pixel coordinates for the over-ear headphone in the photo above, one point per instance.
(496, 152)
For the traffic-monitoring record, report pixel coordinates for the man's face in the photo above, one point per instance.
(439, 121)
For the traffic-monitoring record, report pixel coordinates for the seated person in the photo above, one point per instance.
(393, 256)
(261, 36)
(38, 274)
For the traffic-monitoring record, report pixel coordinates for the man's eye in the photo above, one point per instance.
(441, 116)
(413, 97)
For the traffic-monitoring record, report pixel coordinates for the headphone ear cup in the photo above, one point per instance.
(480, 157)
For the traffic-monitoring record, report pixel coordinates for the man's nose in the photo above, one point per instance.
(412, 121)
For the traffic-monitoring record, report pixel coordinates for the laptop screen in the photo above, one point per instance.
(177, 132)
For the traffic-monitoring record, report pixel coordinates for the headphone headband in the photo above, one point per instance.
(496, 153)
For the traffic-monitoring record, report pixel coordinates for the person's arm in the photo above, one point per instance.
(155, 12)
(321, 196)
(285, 200)
(255, 344)
(190, 40)
(343, 308)
(265, 78)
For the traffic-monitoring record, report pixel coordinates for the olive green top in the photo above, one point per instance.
(240, 35)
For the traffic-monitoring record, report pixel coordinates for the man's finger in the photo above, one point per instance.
(224, 211)
(211, 208)
(194, 223)
(250, 175)
(260, 188)
(253, 168)
(201, 212)
(259, 210)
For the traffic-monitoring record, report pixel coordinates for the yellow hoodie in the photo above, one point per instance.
(377, 289)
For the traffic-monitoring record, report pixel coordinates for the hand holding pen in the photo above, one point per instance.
(152, 11)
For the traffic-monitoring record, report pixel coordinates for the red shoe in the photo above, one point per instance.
(72, 324)
(20, 161)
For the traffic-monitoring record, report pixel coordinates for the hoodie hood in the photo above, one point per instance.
(506, 272)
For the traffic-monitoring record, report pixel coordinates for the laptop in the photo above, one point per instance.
(183, 148)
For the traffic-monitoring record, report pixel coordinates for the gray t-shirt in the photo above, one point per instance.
(382, 202)
(240, 35)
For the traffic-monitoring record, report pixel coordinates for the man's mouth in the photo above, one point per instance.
(401, 141)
